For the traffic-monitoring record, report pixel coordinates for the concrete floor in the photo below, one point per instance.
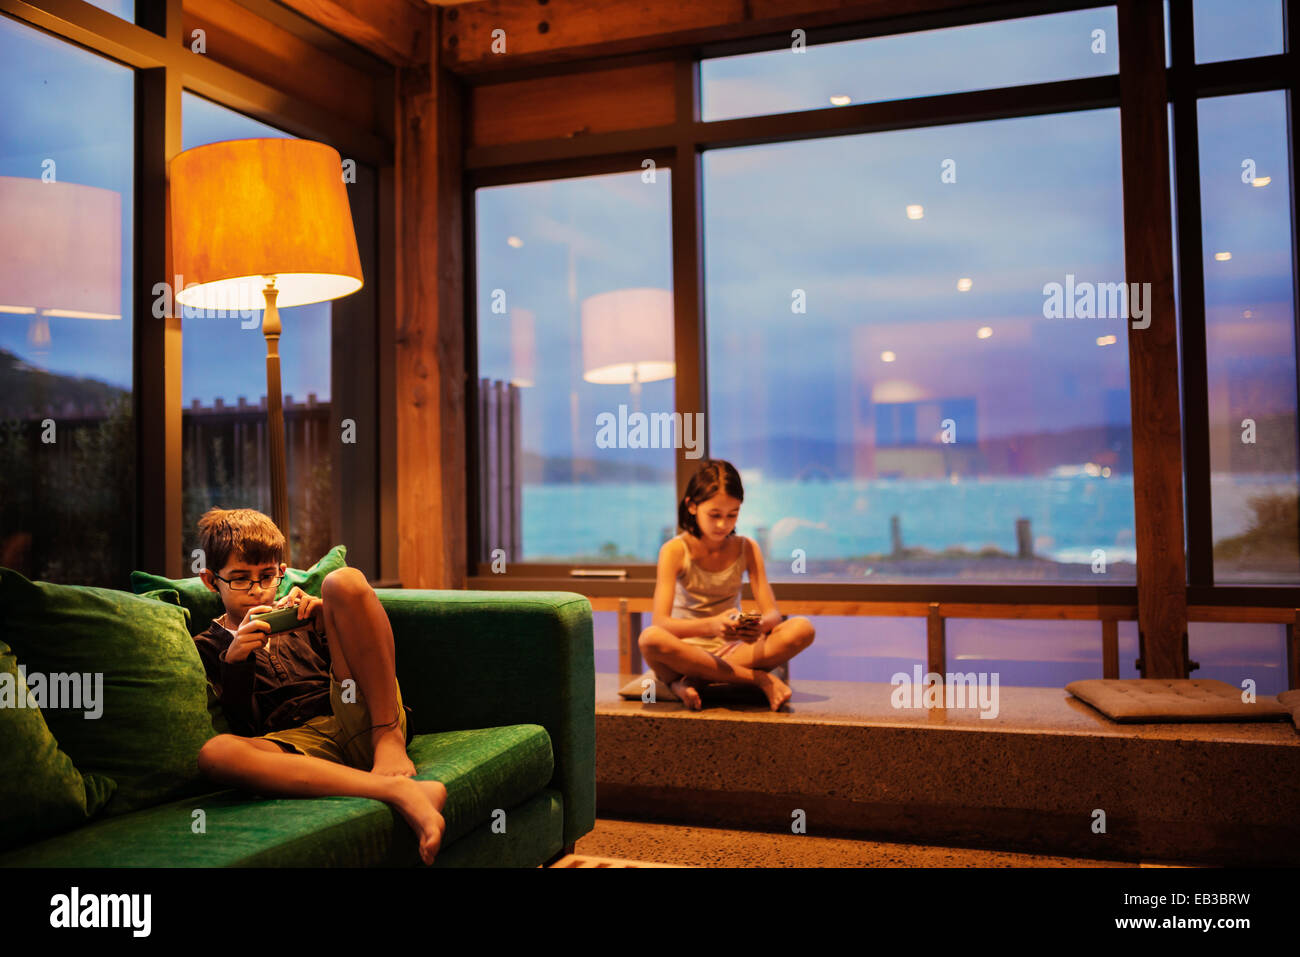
(719, 847)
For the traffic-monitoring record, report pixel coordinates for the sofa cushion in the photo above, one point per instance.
(142, 667)
(203, 605)
(41, 791)
(483, 770)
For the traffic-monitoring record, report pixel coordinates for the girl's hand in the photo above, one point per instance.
(722, 625)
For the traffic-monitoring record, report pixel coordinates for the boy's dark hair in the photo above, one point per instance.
(242, 533)
(712, 477)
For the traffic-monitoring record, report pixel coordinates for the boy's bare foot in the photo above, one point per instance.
(421, 802)
(390, 755)
(686, 693)
(777, 691)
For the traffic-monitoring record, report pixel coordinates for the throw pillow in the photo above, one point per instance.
(41, 791)
(142, 714)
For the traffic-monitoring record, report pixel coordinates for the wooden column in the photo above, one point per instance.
(429, 343)
(157, 341)
(1153, 351)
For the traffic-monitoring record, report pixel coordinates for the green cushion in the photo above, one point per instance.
(172, 597)
(41, 791)
(204, 605)
(154, 714)
(483, 770)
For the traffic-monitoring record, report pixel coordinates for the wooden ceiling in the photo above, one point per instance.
(540, 32)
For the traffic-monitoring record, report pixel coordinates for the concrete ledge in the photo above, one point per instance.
(1029, 779)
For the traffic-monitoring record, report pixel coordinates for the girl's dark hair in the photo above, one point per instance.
(713, 476)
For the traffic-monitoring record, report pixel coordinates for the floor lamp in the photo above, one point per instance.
(263, 223)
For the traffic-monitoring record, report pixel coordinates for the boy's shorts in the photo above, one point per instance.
(343, 736)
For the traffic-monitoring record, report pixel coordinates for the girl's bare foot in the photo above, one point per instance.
(777, 691)
(421, 802)
(390, 755)
(686, 693)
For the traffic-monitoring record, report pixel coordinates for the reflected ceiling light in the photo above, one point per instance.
(964, 284)
(887, 356)
(1222, 257)
(839, 99)
(1261, 181)
(915, 212)
(1105, 471)
(1247, 314)
(1106, 340)
(985, 332)
(514, 242)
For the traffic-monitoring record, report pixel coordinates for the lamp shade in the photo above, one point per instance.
(244, 210)
(627, 336)
(62, 249)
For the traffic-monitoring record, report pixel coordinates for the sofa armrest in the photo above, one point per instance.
(484, 659)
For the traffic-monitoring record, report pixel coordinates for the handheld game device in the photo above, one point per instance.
(282, 619)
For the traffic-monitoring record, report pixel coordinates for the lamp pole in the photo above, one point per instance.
(275, 414)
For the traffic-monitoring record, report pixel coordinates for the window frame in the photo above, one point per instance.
(153, 46)
(687, 137)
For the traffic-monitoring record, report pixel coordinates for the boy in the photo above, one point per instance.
(317, 711)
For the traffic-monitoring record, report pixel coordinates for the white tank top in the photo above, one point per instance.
(701, 593)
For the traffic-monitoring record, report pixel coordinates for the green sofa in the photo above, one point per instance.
(501, 687)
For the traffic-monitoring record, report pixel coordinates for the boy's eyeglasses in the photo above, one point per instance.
(245, 584)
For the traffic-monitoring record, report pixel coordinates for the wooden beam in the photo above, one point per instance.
(159, 508)
(240, 39)
(562, 31)
(397, 31)
(430, 338)
(1153, 351)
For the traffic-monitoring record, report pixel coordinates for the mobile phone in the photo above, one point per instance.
(747, 619)
(281, 619)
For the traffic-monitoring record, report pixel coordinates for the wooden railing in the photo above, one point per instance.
(631, 611)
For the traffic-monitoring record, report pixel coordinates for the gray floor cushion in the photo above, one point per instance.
(1165, 699)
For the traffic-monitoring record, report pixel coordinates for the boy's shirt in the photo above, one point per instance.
(282, 685)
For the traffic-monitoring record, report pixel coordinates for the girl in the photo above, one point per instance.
(697, 636)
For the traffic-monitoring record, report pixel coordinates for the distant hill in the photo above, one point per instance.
(27, 391)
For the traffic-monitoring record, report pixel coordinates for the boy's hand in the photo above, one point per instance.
(308, 606)
(250, 635)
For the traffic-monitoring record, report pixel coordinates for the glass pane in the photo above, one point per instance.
(1250, 336)
(1059, 46)
(892, 363)
(1233, 652)
(67, 427)
(226, 457)
(1231, 30)
(576, 365)
(1035, 654)
(121, 8)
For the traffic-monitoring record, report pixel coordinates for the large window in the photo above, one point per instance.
(812, 75)
(67, 428)
(575, 359)
(889, 368)
(1249, 261)
(225, 447)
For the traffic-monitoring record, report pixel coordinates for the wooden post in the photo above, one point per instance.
(1109, 648)
(430, 340)
(936, 641)
(629, 630)
(1293, 652)
(1153, 350)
